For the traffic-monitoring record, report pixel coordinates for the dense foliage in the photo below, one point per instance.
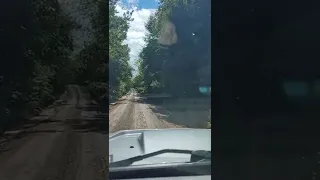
(119, 68)
(176, 59)
(35, 57)
(109, 30)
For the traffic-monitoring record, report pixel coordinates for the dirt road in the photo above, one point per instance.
(66, 141)
(130, 112)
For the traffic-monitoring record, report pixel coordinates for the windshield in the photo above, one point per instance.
(160, 78)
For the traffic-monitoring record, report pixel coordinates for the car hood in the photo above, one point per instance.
(129, 143)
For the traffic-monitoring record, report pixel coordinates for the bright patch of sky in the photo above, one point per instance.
(137, 31)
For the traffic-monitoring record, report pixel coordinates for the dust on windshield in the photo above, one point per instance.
(165, 82)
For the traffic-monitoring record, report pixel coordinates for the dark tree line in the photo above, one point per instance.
(176, 59)
(35, 57)
(104, 62)
(38, 58)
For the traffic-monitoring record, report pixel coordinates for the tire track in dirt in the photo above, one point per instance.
(125, 121)
(135, 114)
(82, 150)
(31, 158)
(94, 147)
(115, 114)
(62, 160)
(139, 119)
(151, 119)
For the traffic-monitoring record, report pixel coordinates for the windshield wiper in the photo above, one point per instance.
(198, 155)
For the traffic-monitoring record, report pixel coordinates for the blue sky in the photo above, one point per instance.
(148, 4)
(142, 4)
(137, 31)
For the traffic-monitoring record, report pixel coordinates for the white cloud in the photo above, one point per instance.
(137, 30)
(133, 2)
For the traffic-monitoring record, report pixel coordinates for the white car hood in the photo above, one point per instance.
(130, 143)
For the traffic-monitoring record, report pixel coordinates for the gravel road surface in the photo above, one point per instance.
(66, 141)
(130, 112)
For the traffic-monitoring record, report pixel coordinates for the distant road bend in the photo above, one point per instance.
(66, 141)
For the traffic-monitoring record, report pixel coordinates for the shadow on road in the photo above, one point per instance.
(21, 126)
(89, 108)
(189, 112)
(24, 130)
(99, 125)
(94, 119)
(24, 134)
(44, 131)
(119, 102)
(4, 150)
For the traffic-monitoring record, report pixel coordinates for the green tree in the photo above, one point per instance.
(177, 57)
(35, 48)
(109, 32)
